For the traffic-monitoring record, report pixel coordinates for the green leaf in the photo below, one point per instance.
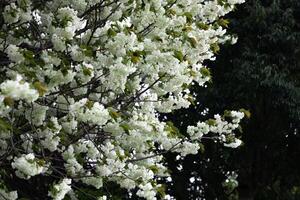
(247, 113)
(40, 87)
(174, 33)
(111, 32)
(230, 138)
(187, 29)
(87, 50)
(66, 65)
(189, 17)
(8, 101)
(121, 157)
(125, 127)
(65, 20)
(215, 47)
(87, 71)
(4, 125)
(161, 191)
(205, 72)
(157, 38)
(51, 125)
(54, 190)
(172, 130)
(227, 113)
(23, 5)
(89, 104)
(211, 122)
(179, 55)
(240, 129)
(113, 113)
(203, 26)
(171, 12)
(136, 55)
(202, 148)
(191, 99)
(80, 158)
(135, 59)
(185, 86)
(2, 34)
(29, 55)
(40, 162)
(27, 71)
(223, 22)
(64, 71)
(154, 168)
(192, 41)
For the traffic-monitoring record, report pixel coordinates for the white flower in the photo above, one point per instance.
(14, 54)
(237, 116)
(76, 53)
(50, 142)
(19, 89)
(235, 144)
(102, 198)
(5, 195)
(188, 148)
(235, 1)
(4, 109)
(11, 13)
(38, 115)
(96, 114)
(147, 192)
(72, 166)
(104, 170)
(58, 43)
(97, 182)
(197, 132)
(59, 190)
(27, 166)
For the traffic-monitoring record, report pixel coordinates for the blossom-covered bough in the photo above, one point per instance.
(82, 84)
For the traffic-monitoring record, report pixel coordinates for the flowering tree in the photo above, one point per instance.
(82, 86)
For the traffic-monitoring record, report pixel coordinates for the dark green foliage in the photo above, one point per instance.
(260, 73)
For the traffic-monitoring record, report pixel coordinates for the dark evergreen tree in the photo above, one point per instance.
(260, 73)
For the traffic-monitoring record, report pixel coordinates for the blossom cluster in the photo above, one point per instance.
(83, 83)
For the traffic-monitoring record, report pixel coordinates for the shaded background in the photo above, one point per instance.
(260, 73)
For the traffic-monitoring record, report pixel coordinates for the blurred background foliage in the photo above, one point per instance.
(260, 73)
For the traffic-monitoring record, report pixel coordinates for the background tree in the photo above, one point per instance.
(261, 72)
(82, 86)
